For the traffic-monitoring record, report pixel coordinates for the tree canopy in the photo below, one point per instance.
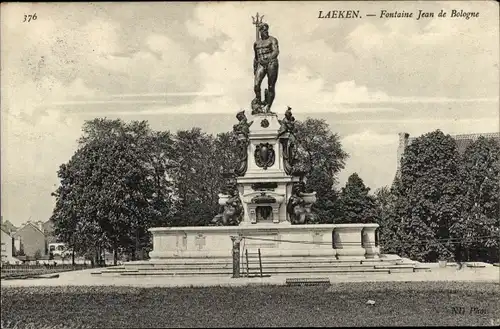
(114, 187)
(430, 195)
(125, 178)
(478, 226)
(356, 205)
(320, 153)
(443, 199)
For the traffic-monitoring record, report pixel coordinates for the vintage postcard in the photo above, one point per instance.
(233, 164)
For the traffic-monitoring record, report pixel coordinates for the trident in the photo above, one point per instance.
(257, 20)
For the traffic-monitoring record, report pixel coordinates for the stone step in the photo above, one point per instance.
(275, 267)
(314, 262)
(183, 266)
(312, 265)
(254, 271)
(323, 270)
(177, 273)
(270, 266)
(395, 266)
(182, 261)
(256, 265)
(278, 265)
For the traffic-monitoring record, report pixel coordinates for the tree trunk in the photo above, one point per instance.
(73, 257)
(132, 253)
(99, 256)
(103, 256)
(136, 243)
(115, 255)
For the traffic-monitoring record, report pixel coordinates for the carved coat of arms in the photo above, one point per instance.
(264, 155)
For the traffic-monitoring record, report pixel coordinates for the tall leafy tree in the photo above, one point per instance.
(73, 215)
(385, 200)
(320, 153)
(197, 178)
(355, 203)
(115, 186)
(429, 196)
(226, 152)
(478, 226)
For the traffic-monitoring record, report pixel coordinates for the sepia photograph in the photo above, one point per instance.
(250, 164)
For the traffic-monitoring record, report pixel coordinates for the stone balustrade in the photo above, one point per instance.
(343, 241)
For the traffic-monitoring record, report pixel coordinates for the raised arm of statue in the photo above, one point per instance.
(255, 61)
(275, 47)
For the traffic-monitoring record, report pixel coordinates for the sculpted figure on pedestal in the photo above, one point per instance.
(242, 128)
(296, 206)
(265, 63)
(233, 211)
(286, 134)
(299, 205)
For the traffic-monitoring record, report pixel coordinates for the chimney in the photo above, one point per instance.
(403, 143)
(39, 224)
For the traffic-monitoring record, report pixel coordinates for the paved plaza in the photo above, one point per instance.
(84, 278)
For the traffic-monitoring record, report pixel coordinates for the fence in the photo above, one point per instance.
(473, 248)
(28, 270)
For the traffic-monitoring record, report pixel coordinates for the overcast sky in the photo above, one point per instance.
(370, 78)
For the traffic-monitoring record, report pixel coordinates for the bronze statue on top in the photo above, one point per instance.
(265, 63)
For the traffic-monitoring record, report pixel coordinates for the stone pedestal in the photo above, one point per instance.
(268, 182)
(274, 240)
(347, 241)
(368, 242)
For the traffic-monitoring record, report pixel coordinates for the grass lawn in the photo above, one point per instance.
(396, 304)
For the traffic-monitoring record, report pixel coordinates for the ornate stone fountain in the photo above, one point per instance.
(268, 190)
(266, 203)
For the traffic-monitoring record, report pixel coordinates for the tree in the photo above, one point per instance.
(114, 188)
(320, 154)
(73, 215)
(197, 177)
(385, 200)
(200, 160)
(225, 145)
(356, 205)
(429, 196)
(478, 226)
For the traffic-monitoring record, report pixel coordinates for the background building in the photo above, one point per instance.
(7, 246)
(8, 227)
(48, 231)
(31, 240)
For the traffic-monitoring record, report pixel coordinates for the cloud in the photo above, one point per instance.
(81, 60)
(430, 59)
(372, 156)
(349, 92)
(369, 138)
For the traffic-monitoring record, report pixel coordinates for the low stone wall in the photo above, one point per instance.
(344, 241)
